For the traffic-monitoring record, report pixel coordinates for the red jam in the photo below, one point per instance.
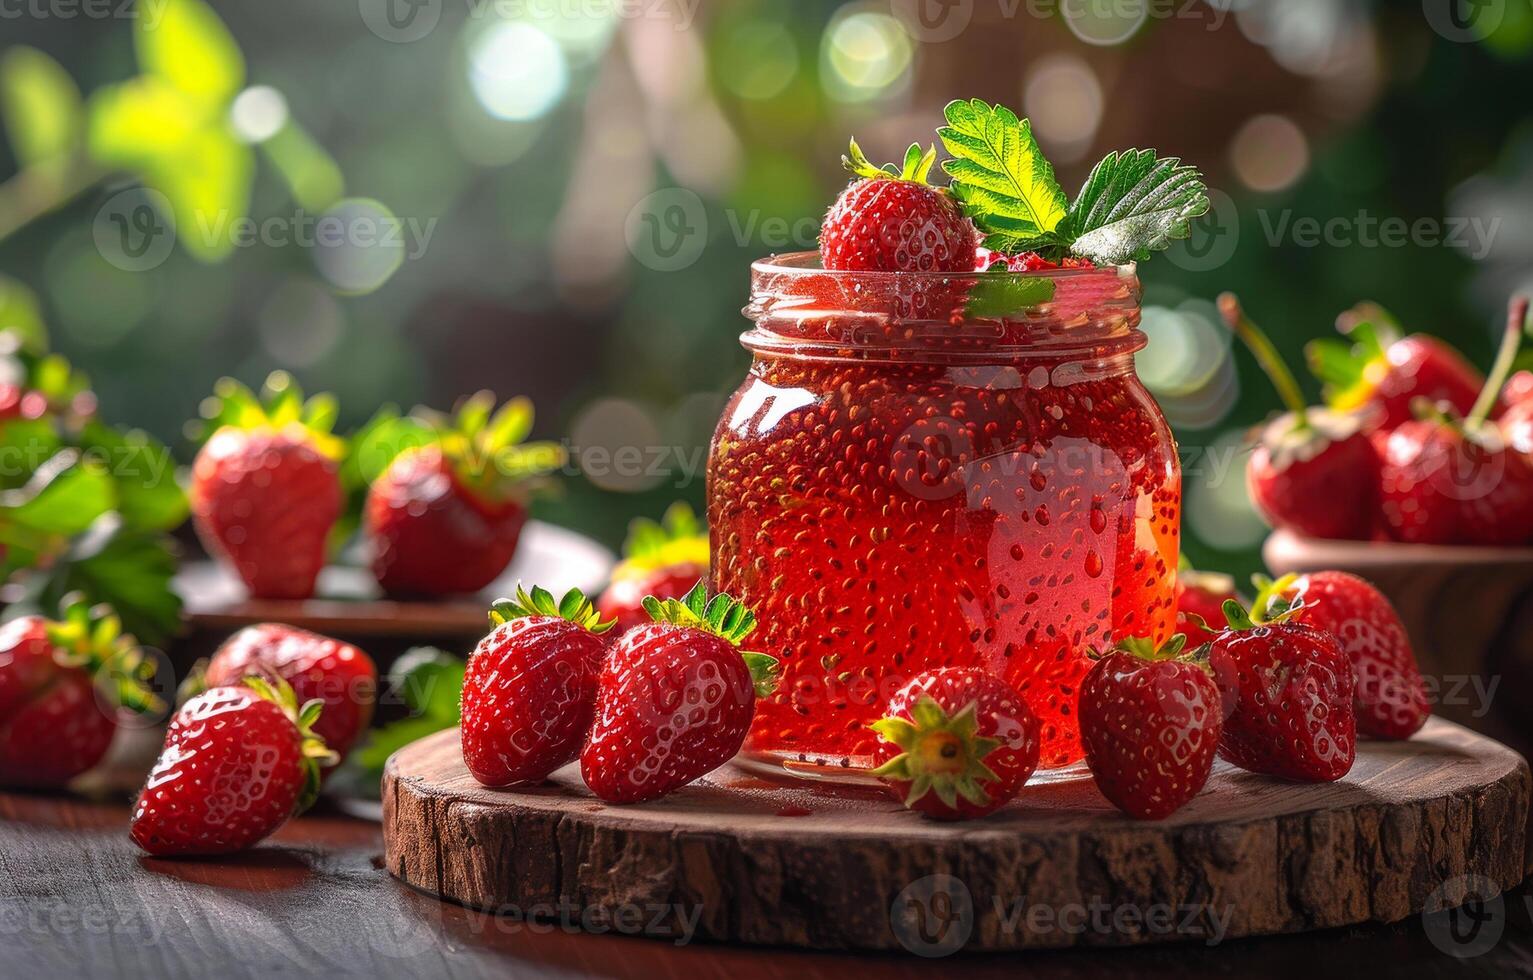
(916, 474)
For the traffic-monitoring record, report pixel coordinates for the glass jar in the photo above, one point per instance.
(927, 470)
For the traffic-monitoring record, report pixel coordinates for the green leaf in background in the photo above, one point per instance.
(148, 496)
(21, 316)
(65, 497)
(430, 683)
(376, 446)
(25, 445)
(208, 185)
(1001, 176)
(189, 47)
(129, 569)
(41, 106)
(1133, 204)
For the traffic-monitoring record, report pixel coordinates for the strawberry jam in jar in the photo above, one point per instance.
(930, 470)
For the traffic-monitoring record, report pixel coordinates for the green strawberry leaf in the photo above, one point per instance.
(1001, 177)
(21, 317)
(130, 570)
(65, 496)
(998, 295)
(148, 496)
(1132, 204)
(41, 106)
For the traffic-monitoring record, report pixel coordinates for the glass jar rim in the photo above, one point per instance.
(800, 309)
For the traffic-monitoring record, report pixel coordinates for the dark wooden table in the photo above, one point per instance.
(78, 900)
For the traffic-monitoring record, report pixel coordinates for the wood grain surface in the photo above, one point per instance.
(752, 861)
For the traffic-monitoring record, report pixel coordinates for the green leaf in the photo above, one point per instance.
(148, 496)
(1133, 204)
(429, 682)
(207, 182)
(21, 316)
(42, 107)
(189, 47)
(66, 497)
(510, 425)
(998, 295)
(25, 445)
(132, 571)
(135, 123)
(377, 445)
(1001, 176)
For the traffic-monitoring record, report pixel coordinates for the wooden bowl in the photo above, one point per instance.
(1469, 611)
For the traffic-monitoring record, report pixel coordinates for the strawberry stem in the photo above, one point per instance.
(1267, 356)
(1516, 318)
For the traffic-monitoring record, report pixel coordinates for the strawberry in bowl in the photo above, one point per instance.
(448, 496)
(266, 489)
(664, 560)
(1312, 469)
(1200, 599)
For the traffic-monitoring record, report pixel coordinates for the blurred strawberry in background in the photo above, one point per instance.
(664, 560)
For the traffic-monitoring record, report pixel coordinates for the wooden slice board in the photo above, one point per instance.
(744, 859)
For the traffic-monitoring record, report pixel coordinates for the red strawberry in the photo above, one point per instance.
(894, 221)
(237, 762)
(1516, 425)
(1312, 470)
(1201, 595)
(1518, 391)
(446, 517)
(957, 743)
(986, 259)
(663, 560)
(1451, 480)
(530, 687)
(675, 698)
(1389, 697)
(1287, 691)
(265, 490)
(1379, 373)
(339, 675)
(61, 686)
(1150, 721)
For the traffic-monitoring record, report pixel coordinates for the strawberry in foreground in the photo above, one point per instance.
(530, 687)
(957, 743)
(265, 487)
(663, 560)
(447, 513)
(1389, 697)
(339, 675)
(237, 763)
(1379, 372)
(1200, 599)
(1312, 469)
(1452, 480)
(1150, 722)
(61, 686)
(675, 698)
(1287, 691)
(892, 220)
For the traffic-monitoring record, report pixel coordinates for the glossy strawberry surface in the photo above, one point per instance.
(431, 535)
(266, 501)
(528, 697)
(1326, 489)
(316, 666)
(53, 727)
(1287, 692)
(230, 774)
(1420, 366)
(1001, 715)
(1441, 487)
(1151, 730)
(891, 225)
(1201, 594)
(673, 704)
(1389, 696)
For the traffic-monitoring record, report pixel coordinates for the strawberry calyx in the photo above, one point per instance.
(1350, 369)
(280, 407)
(678, 538)
(91, 638)
(1476, 426)
(940, 753)
(574, 607)
(315, 753)
(487, 447)
(724, 616)
(917, 166)
(1274, 598)
(1279, 609)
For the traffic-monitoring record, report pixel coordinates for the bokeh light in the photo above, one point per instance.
(866, 54)
(1218, 509)
(517, 70)
(259, 113)
(615, 441)
(359, 244)
(1064, 101)
(758, 59)
(300, 323)
(1269, 153)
